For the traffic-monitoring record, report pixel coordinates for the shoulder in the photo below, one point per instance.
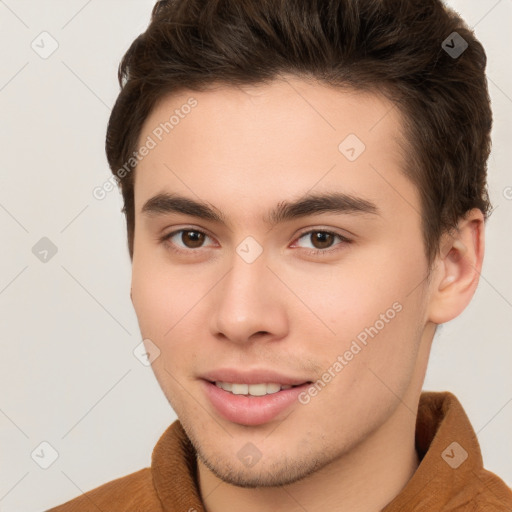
(133, 493)
(485, 491)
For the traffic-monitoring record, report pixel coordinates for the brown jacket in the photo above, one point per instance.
(450, 477)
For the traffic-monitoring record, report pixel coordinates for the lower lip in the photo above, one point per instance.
(251, 410)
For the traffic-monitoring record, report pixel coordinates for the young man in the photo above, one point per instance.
(305, 193)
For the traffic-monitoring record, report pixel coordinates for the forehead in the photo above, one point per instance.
(266, 141)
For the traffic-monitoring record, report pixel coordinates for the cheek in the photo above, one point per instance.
(161, 303)
(371, 310)
(167, 302)
(161, 293)
(344, 300)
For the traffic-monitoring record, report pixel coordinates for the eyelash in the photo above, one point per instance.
(312, 252)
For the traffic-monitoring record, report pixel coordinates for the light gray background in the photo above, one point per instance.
(68, 375)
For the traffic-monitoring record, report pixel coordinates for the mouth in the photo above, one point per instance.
(252, 404)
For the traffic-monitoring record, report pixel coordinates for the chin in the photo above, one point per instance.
(270, 474)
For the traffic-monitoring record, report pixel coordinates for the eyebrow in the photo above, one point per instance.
(310, 204)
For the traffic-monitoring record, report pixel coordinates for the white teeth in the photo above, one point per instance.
(239, 389)
(259, 389)
(251, 389)
(273, 388)
(225, 385)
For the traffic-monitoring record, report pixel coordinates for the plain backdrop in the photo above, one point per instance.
(68, 375)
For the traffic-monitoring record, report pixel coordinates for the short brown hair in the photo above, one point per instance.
(396, 47)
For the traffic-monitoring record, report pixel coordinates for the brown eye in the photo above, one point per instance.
(321, 239)
(192, 239)
(321, 242)
(184, 240)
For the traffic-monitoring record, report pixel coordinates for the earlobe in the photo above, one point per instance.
(458, 268)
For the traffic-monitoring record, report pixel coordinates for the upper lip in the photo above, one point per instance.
(255, 376)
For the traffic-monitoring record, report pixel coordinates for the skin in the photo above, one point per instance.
(243, 151)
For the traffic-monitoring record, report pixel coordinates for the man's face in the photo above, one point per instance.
(241, 300)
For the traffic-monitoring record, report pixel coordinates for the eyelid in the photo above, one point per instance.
(324, 229)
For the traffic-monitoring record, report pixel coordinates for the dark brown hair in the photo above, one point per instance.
(395, 47)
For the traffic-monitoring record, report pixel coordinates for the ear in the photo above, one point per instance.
(457, 269)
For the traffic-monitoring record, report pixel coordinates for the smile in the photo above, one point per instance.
(251, 389)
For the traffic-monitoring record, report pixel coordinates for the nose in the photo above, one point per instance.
(249, 303)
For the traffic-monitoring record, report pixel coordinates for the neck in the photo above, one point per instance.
(365, 479)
